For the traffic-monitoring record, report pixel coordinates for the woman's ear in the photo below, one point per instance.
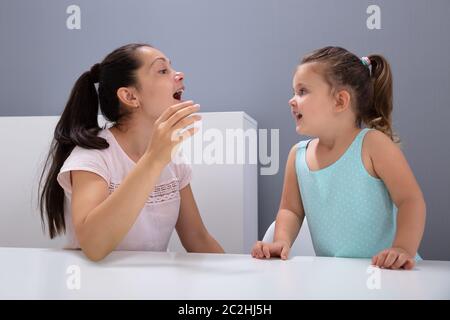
(128, 97)
(342, 100)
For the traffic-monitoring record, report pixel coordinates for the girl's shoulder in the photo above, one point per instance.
(377, 148)
(376, 141)
(299, 146)
(304, 144)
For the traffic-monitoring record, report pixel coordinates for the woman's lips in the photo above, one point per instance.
(177, 95)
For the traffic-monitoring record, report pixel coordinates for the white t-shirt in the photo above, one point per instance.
(157, 219)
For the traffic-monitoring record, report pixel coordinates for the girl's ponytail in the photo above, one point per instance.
(380, 117)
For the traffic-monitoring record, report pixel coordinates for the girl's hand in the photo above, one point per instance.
(394, 258)
(266, 250)
(166, 138)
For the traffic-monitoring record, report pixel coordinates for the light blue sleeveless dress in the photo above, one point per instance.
(349, 212)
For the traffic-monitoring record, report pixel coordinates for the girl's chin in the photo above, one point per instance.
(301, 131)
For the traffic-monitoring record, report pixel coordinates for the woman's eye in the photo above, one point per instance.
(163, 71)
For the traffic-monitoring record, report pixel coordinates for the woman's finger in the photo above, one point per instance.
(181, 114)
(172, 109)
(183, 123)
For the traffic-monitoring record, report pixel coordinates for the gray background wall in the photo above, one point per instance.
(240, 55)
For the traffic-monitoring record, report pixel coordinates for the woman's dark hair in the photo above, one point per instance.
(371, 85)
(78, 125)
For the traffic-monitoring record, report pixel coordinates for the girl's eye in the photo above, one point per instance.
(164, 71)
(301, 92)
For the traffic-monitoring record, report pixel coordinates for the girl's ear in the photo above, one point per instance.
(128, 97)
(342, 99)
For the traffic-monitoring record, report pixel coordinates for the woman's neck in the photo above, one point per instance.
(134, 137)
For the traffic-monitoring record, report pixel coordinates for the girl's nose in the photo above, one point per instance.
(179, 76)
(292, 103)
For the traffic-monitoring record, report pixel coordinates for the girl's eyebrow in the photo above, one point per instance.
(299, 85)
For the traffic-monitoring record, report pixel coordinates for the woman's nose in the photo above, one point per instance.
(179, 76)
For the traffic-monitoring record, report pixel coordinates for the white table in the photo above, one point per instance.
(54, 274)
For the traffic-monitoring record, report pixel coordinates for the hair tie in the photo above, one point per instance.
(366, 62)
(95, 72)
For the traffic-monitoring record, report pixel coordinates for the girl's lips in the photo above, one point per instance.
(297, 116)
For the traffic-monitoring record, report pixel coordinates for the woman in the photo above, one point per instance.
(119, 188)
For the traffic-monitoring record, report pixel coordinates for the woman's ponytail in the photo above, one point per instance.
(78, 125)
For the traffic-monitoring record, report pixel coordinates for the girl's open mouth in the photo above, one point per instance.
(297, 115)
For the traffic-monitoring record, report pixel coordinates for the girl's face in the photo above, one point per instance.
(160, 86)
(312, 103)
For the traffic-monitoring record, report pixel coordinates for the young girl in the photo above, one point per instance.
(118, 188)
(349, 181)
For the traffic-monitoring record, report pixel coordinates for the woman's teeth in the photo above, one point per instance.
(177, 95)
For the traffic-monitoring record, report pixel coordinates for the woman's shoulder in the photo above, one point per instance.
(180, 166)
(84, 154)
(83, 159)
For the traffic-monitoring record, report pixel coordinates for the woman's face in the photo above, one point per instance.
(159, 85)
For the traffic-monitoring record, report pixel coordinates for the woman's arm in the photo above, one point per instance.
(391, 166)
(101, 221)
(190, 228)
(289, 218)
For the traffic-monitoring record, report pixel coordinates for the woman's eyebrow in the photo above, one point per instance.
(160, 58)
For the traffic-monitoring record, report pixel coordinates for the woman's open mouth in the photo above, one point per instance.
(177, 95)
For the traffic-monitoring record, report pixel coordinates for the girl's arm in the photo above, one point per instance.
(391, 166)
(190, 228)
(289, 218)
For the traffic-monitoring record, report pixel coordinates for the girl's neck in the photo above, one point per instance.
(337, 138)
